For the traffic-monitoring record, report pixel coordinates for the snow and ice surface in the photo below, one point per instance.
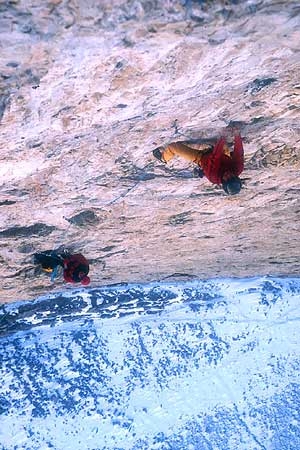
(196, 365)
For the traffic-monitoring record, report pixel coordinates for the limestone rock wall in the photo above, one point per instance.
(89, 88)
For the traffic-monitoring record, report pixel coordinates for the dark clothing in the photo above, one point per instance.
(217, 163)
(49, 260)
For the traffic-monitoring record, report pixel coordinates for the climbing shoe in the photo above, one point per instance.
(158, 155)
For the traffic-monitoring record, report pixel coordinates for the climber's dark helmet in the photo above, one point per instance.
(232, 186)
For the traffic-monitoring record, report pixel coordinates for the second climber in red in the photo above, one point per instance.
(75, 266)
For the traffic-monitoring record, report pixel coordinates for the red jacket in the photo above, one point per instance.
(76, 267)
(216, 163)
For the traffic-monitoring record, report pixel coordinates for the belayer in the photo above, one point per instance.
(218, 163)
(75, 266)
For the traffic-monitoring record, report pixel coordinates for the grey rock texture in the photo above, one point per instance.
(89, 88)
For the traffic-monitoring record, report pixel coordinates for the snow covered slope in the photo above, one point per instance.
(199, 365)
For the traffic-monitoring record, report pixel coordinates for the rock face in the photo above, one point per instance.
(89, 88)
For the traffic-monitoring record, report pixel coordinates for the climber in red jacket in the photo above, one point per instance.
(219, 164)
(75, 267)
